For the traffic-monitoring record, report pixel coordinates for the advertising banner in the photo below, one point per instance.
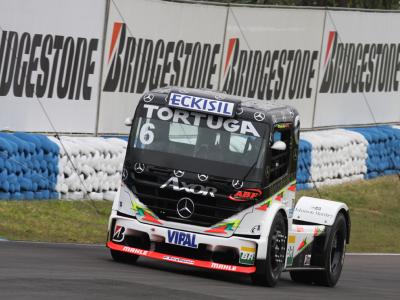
(50, 54)
(360, 64)
(153, 44)
(272, 54)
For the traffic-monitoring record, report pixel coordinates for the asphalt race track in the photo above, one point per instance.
(67, 271)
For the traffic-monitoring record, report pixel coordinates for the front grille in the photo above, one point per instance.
(163, 202)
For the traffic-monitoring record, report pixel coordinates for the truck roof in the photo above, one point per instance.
(250, 109)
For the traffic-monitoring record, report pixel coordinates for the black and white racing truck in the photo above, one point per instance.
(209, 180)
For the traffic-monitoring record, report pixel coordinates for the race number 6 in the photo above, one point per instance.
(146, 135)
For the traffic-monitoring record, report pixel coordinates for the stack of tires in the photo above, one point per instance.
(89, 167)
(383, 150)
(28, 166)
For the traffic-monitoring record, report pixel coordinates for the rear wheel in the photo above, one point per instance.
(123, 257)
(276, 251)
(332, 260)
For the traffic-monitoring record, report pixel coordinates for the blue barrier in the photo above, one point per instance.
(28, 166)
(304, 165)
(383, 150)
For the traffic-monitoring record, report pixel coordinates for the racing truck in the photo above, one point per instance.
(209, 180)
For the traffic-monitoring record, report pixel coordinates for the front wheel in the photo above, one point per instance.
(334, 255)
(276, 251)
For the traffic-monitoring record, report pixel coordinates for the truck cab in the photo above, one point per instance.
(209, 180)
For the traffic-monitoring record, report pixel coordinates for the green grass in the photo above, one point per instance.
(374, 209)
(55, 221)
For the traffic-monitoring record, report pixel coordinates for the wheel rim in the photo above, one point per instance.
(337, 252)
(278, 248)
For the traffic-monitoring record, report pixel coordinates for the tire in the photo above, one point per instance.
(122, 257)
(334, 255)
(332, 260)
(276, 251)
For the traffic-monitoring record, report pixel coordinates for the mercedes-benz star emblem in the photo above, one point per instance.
(178, 173)
(138, 167)
(202, 177)
(148, 98)
(259, 116)
(237, 184)
(185, 208)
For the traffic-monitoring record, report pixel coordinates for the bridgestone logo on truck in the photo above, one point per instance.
(358, 68)
(137, 64)
(46, 65)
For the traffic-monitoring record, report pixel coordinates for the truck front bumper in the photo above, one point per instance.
(156, 237)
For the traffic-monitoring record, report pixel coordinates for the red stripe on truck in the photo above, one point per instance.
(181, 260)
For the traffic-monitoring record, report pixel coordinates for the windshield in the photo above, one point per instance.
(204, 143)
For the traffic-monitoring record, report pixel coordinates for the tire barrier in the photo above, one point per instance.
(28, 166)
(383, 150)
(34, 166)
(337, 156)
(93, 168)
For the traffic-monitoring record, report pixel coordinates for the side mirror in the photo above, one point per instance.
(128, 122)
(279, 145)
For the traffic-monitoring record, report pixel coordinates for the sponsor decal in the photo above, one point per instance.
(179, 260)
(196, 189)
(283, 125)
(307, 259)
(247, 255)
(245, 195)
(46, 65)
(135, 251)
(119, 233)
(223, 267)
(292, 239)
(360, 67)
(165, 113)
(180, 238)
(317, 211)
(290, 256)
(210, 106)
(269, 75)
(137, 64)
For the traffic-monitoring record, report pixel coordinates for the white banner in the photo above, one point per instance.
(50, 52)
(272, 55)
(360, 64)
(153, 44)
